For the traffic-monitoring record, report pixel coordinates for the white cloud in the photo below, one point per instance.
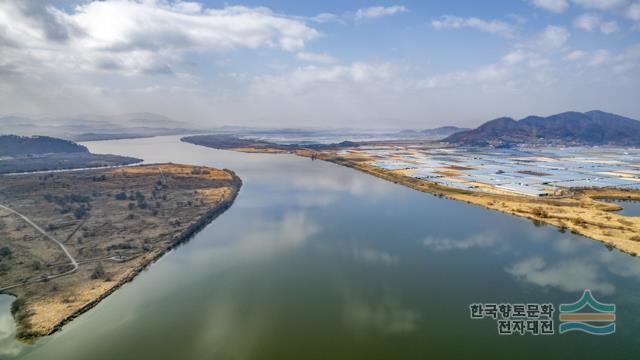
(316, 57)
(633, 12)
(576, 55)
(486, 74)
(379, 11)
(628, 60)
(532, 59)
(143, 36)
(515, 57)
(307, 76)
(621, 63)
(587, 22)
(455, 22)
(600, 57)
(553, 37)
(559, 6)
(556, 6)
(609, 27)
(325, 17)
(591, 22)
(601, 4)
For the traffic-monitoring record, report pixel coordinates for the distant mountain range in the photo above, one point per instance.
(568, 128)
(89, 127)
(432, 134)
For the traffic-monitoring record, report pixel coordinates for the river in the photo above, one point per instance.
(318, 261)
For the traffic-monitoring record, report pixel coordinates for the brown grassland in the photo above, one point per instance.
(114, 222)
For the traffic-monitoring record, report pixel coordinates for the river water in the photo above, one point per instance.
(318, 261)
(629, 207)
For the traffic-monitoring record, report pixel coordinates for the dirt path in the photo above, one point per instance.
(45, 234)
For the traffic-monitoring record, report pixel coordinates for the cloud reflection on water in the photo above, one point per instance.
(384, 317)
(580, 264)
(446, 244)
(573, 276)
(375, 257)
(8, 345)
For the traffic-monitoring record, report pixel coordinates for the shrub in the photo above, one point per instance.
(98, 272)
(539, 212)
(5, 251)
(578, 222)
(80, 212)
(17, 305)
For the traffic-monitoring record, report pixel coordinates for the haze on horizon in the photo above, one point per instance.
(342, 64)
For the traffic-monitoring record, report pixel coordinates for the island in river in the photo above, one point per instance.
(572, 209)
(69, 239)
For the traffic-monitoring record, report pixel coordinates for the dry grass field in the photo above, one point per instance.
(114, 223)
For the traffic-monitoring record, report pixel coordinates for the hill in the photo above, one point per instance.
(11, 145)
(568, 128)
(43, 153)
(432, 134)
(88, 127)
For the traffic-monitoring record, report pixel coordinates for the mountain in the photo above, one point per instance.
(441, 132)
(568, 128)
(432, 134)
(87, 127)
(42, 153)
(11, 145)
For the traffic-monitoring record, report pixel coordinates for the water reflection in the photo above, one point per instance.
(576, 266)
(314, 258)
(572, 275)
(387, 317)
(476, 240)
(8, 345)
(263, 236)
(374, 257)
(629, 207)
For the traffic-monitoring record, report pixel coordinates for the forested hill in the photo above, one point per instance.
(11, 145)
(569, 128)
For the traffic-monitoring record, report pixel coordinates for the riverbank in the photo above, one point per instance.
(580, 212)
(115, 223)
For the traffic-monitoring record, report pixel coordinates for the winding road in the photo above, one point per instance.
(61, 245)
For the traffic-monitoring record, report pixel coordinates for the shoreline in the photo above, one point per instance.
(580, 213)
(186, 235)
(489, 201)
(181, 239)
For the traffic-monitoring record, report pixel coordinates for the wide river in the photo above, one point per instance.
(318, 261)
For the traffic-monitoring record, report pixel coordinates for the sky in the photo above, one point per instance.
(408, 64)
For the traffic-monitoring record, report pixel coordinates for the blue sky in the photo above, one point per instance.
(412, 64)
